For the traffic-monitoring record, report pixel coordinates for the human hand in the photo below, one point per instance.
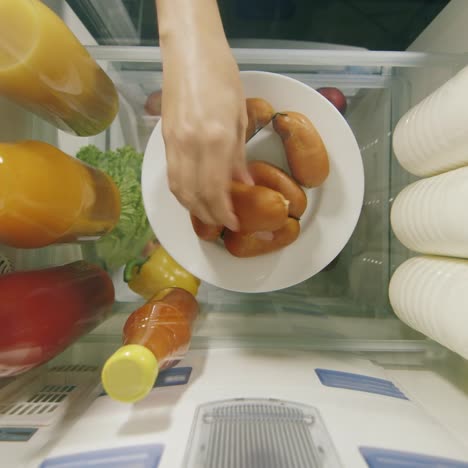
(204, 117)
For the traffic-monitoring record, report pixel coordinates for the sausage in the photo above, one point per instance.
(273, 177)
(251, 245)
(207, 232)
(258, 208)
(260, 113)
(305, 151)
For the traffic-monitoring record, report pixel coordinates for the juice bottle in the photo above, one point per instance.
(154, 336)
(44, 311)
(45, 69)
(49, 197)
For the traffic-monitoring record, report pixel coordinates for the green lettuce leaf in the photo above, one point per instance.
(133, 231)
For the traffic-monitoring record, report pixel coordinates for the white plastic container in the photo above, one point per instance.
(430, 294)
(432, 137)
(430, 215)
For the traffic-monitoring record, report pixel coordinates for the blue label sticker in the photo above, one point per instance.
(16, 434)
(143, 456)
(174, 376)
(382, 458)
(170, 378)
(359, 382)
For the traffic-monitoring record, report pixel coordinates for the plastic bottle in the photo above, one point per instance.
(48, 197)
(154, 337)
(42, 312)
(45, 69)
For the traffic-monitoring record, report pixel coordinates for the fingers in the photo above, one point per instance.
(180, 175)
(239, 170)
(190, 194)
(203, 157)
(200, 180)
(215, 175)
(242, 174)
(215, 182)
(183, 183)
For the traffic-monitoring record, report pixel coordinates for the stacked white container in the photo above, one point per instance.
(430, 294)
(430, 217)
(432, 137)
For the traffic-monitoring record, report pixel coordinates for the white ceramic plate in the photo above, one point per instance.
(332, 212)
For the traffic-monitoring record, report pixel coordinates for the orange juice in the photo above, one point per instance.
(49, 197)
(45, 69)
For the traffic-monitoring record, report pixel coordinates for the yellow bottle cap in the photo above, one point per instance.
(129, 374)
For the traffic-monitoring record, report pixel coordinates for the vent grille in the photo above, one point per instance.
(259, 433)
(46, 400)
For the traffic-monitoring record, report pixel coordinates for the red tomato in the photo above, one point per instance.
(336, 97)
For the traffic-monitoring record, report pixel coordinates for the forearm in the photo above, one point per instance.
(187, 27)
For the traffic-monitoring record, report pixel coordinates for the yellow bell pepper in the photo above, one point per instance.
(159, 270)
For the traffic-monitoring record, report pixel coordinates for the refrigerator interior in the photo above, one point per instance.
(343, 308)
(340, 316)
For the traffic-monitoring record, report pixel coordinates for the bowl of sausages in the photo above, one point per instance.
(302, 210)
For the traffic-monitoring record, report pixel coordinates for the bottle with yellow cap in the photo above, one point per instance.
(154, 337)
